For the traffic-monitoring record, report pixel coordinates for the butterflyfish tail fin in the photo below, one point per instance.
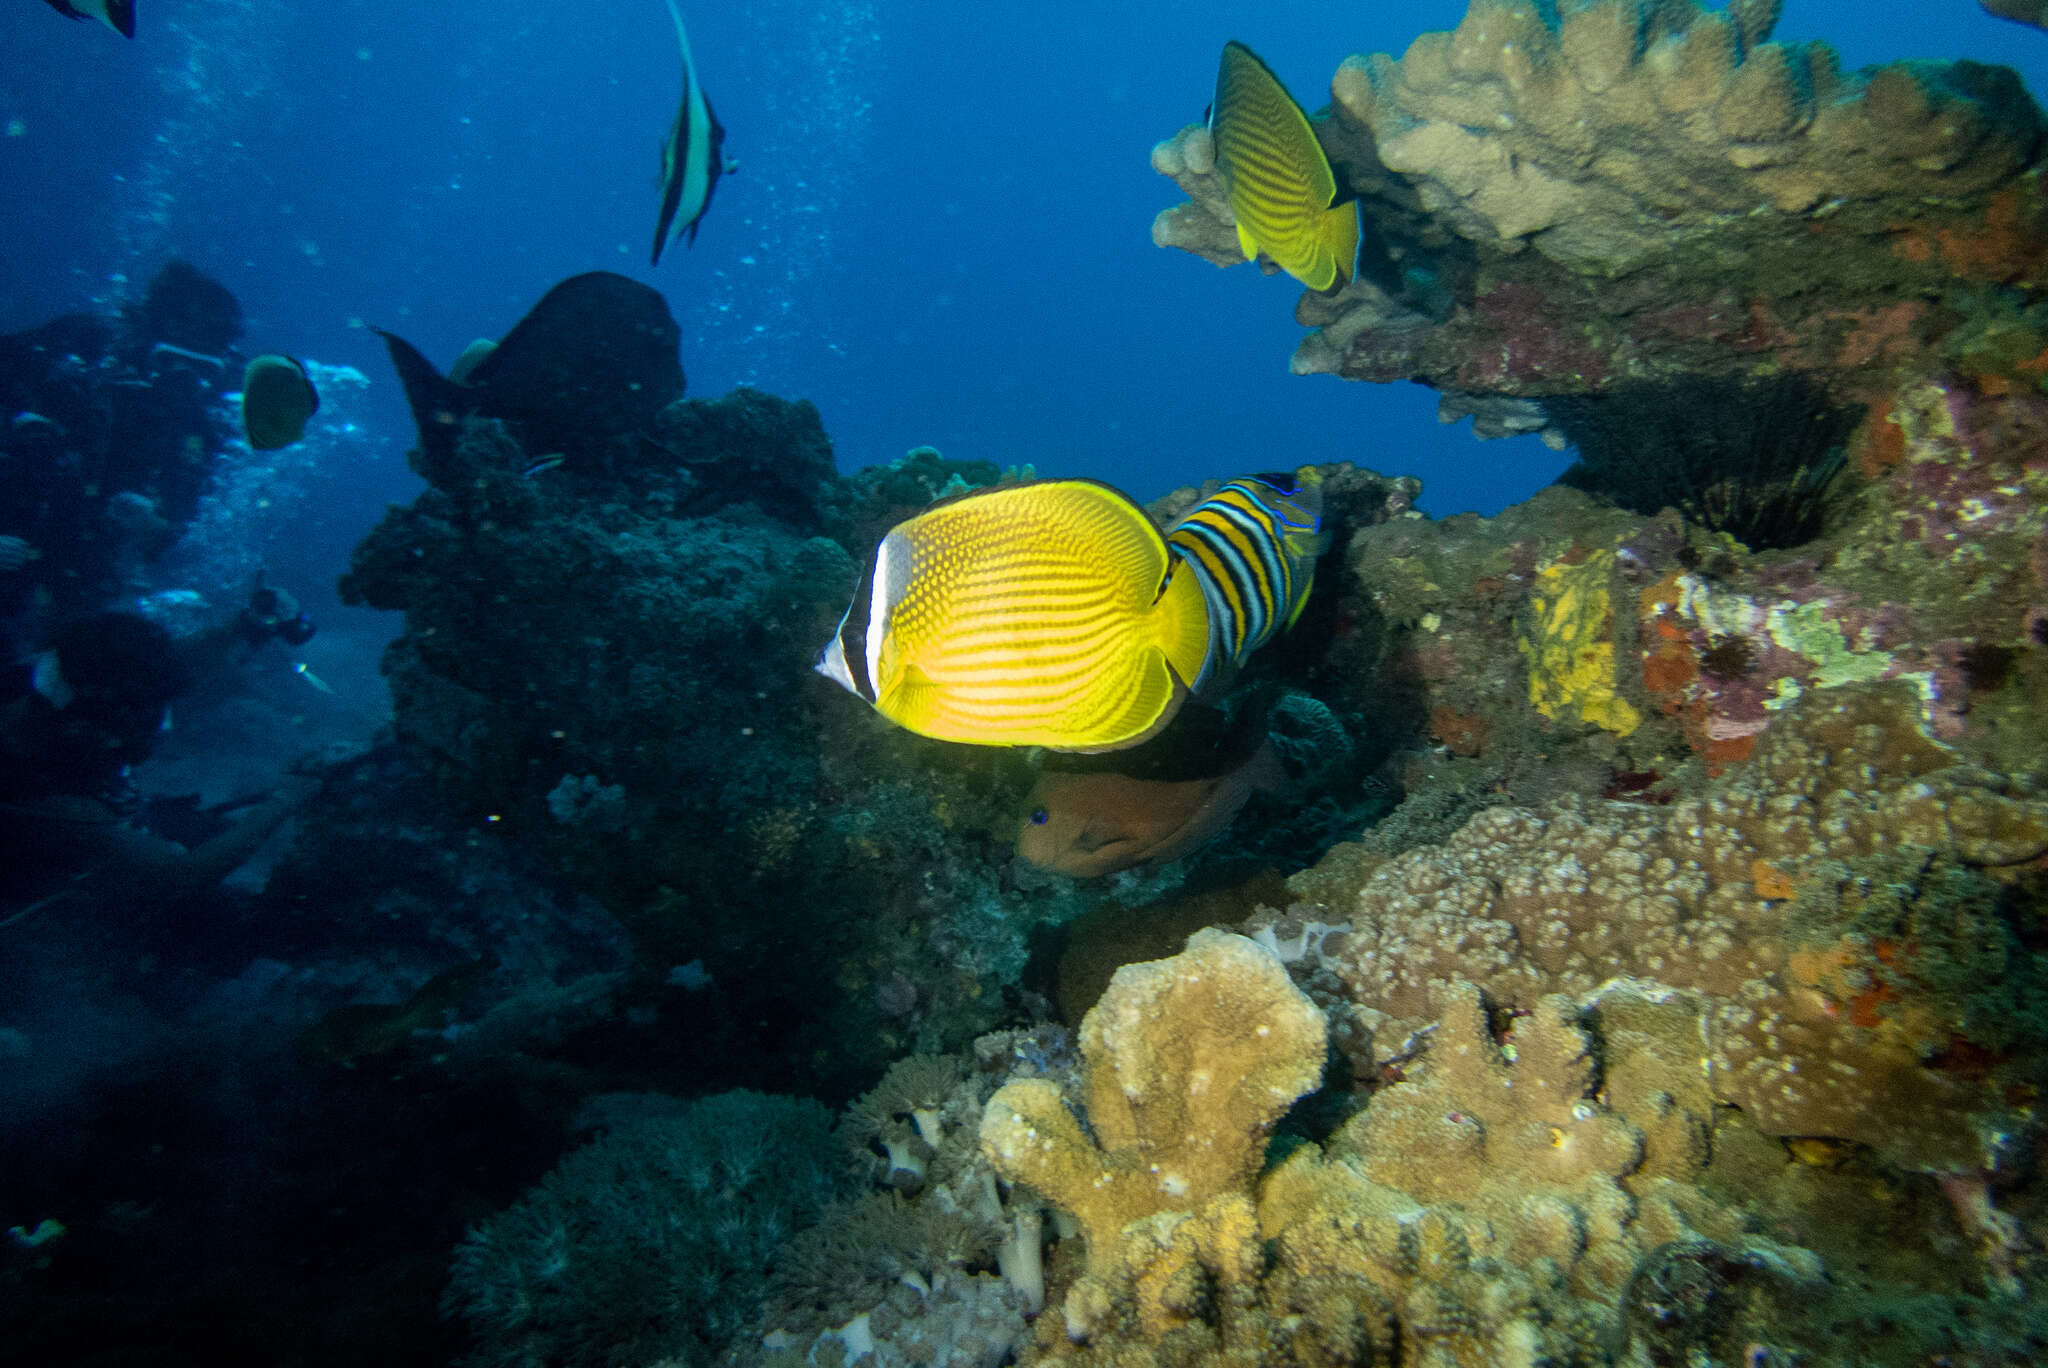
(1338, 229)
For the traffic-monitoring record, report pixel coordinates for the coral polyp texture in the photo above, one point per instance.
(1490, 1210)
(1744, 906)
(1189, 1062)
(1557, 198)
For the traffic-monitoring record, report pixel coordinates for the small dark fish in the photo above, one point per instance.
(547, 462)
(118, 15)
(692, 159)
(278, 399)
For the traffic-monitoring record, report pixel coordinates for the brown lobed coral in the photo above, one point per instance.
(1490, 1210)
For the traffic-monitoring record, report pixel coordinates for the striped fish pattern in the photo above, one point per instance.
(1281, 189)
(1252, 546)
(1031, 614)
(692, 156)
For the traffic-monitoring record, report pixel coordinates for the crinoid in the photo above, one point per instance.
(1761, 460)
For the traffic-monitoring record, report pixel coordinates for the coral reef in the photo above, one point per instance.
(1818, 1002)
(651, 1242)
(597, 663)
(1489, 1211)
(1506, 638)
(1560, 199)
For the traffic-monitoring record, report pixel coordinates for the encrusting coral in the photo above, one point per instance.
(1815, 1016)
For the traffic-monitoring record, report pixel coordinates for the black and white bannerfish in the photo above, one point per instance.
(118, 15)
(692, 159)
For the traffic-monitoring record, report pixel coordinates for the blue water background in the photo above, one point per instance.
(939, 230)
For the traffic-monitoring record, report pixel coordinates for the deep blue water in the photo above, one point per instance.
(939, 230)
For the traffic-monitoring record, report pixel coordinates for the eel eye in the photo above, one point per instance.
(1039, 816)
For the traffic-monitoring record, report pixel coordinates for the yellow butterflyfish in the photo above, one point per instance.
(1033, 614)
(1278, 181)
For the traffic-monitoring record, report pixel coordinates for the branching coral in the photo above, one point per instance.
(1498, 1208)
(1188, 1062)
(1490, 1212)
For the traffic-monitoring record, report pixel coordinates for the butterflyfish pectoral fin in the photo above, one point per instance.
(914, 701)
(1245, 243)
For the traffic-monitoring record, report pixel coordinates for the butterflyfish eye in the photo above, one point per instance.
(1039, 816)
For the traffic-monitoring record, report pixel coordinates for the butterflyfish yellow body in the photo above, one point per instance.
(1041, 613)
(1278, 181)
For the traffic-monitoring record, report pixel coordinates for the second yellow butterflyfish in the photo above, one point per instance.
(1277, 179)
